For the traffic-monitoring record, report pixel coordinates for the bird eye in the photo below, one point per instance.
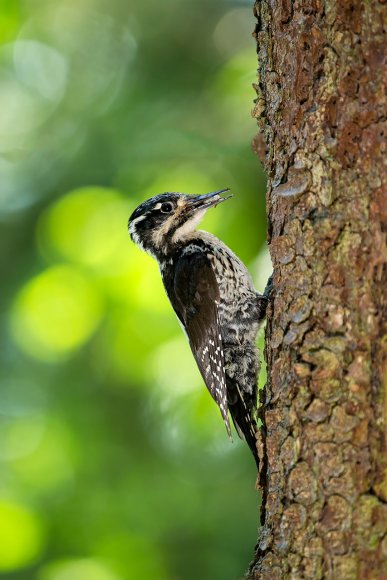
(166, 207)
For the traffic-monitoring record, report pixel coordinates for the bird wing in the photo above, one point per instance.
(195, 299)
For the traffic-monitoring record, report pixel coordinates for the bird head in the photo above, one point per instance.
(165, 220)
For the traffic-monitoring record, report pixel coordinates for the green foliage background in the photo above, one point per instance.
(114, 461)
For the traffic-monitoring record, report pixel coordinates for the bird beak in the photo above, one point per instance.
(207, 200)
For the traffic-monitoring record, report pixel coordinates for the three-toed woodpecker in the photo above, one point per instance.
(213, 296)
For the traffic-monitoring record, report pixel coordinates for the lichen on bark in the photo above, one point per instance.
(321, 112)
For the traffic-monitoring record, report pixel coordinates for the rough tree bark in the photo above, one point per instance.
(321, 110)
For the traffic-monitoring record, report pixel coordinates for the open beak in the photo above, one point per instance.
(207, 200)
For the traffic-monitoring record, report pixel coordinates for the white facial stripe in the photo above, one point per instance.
(133, 223)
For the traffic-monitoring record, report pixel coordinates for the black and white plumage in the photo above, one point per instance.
(213, 296)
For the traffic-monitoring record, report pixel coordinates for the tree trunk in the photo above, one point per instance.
(321, 110)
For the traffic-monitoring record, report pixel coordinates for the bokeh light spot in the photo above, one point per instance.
(19, 436)
(82, 569)
(52, 462)
(178, 375)
(235, 24)
(86, 226)
(33, 80)
(234, 81)
(132, 277)
(55, 313)
(40, 67)
(262, 268)
(21, 536)
(133, 556)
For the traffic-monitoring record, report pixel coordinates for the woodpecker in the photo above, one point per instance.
(213, 296)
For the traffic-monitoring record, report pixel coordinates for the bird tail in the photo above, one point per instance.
(245, 424)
